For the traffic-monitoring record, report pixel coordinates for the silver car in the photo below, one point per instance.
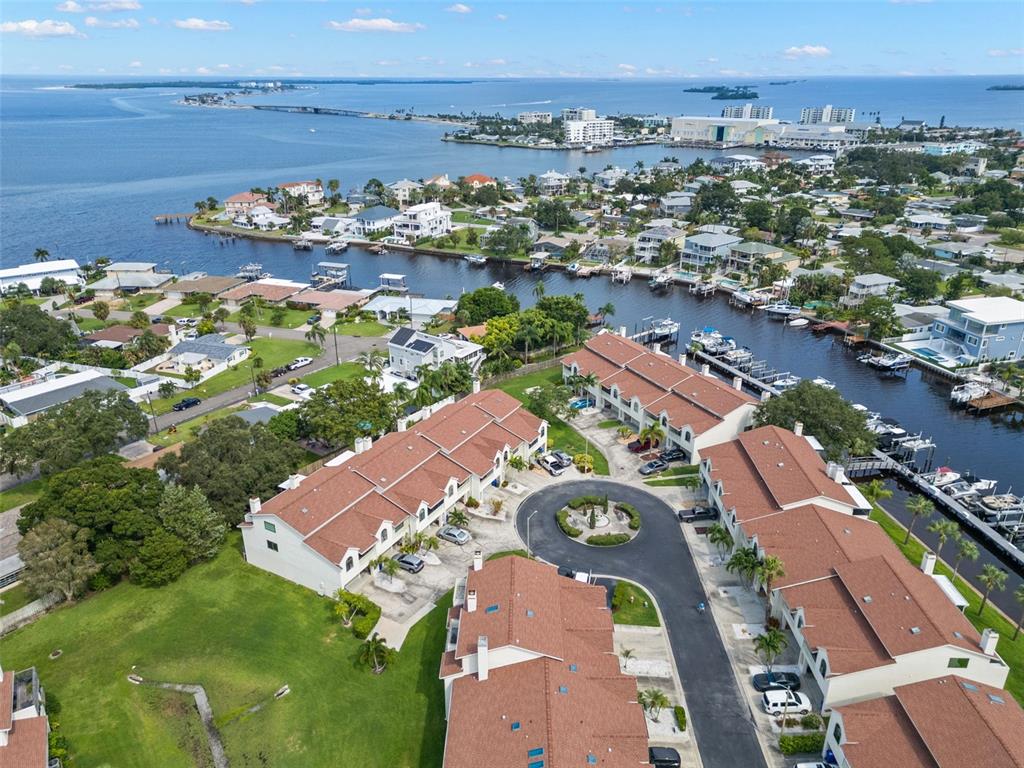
(454, 534)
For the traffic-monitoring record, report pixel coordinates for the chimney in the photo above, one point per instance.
(830, 470)
(705, 370)
(737, 382)
(928, 563)
(481, 658)
(476, 386)
(798, 429)
(292, 482)
(622, 330)
(172, 332)
(471, 601)
(765, 395)
(255, 506)
(840, 475)
(989, 641)
(682, 359)
(478, 560)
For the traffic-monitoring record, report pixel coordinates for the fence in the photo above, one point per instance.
(523, 370)
(27, 613)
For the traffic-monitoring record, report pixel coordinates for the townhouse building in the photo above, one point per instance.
(24, 726)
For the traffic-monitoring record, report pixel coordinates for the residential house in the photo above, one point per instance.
(607, 249)
(640, 388)
(531, 676)
(419, 310)
(958, 251)
(243, 202)
(376, 218)
(201, 283)
(647, 245)
(32, 275)
(929, 221)
(553, 183)
(403, 189)
(22, 403)
(312, 191)
(856, 214)
(676, 203)
(708, 248)
(989, 328)
(609, 177)
(24, 726)
(969, 222)
(209, 354)
(118, 336)
(423, 220)
(744, 255)
(272, 290)
(409, 350)
(743, 187)
(865, 286)
(477, 180)
(130, 277)
(324, 530)
(817, 165)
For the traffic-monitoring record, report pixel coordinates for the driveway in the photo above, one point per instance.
(659, 559)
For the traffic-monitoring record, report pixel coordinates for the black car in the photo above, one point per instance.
(775, 681)
(697, 514)
(186, 403)
(672, 454)
(663, 757)
(279, 371)
(567, 572)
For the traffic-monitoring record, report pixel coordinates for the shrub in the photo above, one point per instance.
(363, 625)
(680, 717)
(608, 539)
(471, 502)
(582, 501)
(799, 743)
(584, 462)
(563, 522)
(634, 514)
(811, 722)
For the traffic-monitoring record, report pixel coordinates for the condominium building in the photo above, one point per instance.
(423, 220)
(827, 114)
(749, 111)
(578, 113)
(592, 131)
(720, 131)
(532, 118)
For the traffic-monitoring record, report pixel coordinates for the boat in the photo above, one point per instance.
(782, 310)
(660, 282)
(476, 259)
(786, 381)
(746, 298)
(979, 484)
(538, 262)
(890, 361)
(965, 393)
(329, 274)
(703, 288)
(303, 245)
(942, 476)
(252, 271)
(959, 490)
(312, 130)
(720, 346)
(738, 357)
(499, 285)
(705, 335)
(1001, 508)
(799, 322)
(339, 247)
(664, 328)
(392, 282)
(823, 382)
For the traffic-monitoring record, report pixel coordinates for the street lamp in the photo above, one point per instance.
(529, 552)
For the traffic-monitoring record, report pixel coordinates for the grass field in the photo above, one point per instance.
(89, 324)
(334, 373)
(679, 481)
(189, 310)
(560, 434)
(139, 301)
(365, 328)
(292, 318)
(275, 352)
(187, 431)
(468, 217)
(14, 598)
(609, 424)
(270, 397)
(508, 553)
(20, 494)
(637, 607)
(242, 633)
(1012, 651)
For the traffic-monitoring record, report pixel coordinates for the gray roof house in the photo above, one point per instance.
(20, 405)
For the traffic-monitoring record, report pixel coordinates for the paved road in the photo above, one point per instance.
(659, 559)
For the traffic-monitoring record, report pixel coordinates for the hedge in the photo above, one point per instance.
(563, 522)
(608, 539)
(634, 514)
(810, 722)
(582, 501)
(799, 743)
(680, 717)
(363, 625)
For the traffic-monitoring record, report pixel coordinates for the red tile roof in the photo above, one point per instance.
(27, 744)
(246, 197)
(479, 179)
(6, 700)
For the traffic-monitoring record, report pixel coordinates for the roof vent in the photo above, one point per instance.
(763, 442)
(305, 510)
(867, 598)
(781, 465)
(847, 531)
(957, 634)
(529, 613)
(915, 630)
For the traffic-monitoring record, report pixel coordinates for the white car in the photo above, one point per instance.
(810, 765)
(551, 464)
(300, 389)
(299, 362)
(785, 702)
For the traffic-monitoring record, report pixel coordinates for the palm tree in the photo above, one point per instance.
(373, 361)
(768, 571)
(965, 550)
(316, 334)
(769, 645)
(606, 311)
(1018, 595)
(458, 517)
(386, 564)
(743, 563)
(529, 334)
(626, 654)
(376, 654)
(875, 491)
(652, 433)
(918, 506)
(653, 701)
(719, 535)
(945, 530)
(991, 578)
(41, 255)
(538, 290)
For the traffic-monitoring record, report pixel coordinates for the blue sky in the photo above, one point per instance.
(230, 38)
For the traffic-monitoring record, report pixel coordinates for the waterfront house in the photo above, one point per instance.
(743, 256)
(676, 203)
(531, 675)
(817, 165)
(22, 403)
(202, 283)
(324, 530)
(607, 249)
(553, 183)
(865, 286)
(989, 328)
(24, 727)
(312, 191)
(441, 181)
(640, 388)
(376, 218)
(736, 163)
(609, 177)
(647, 245)
(419, 310)
(32, 275)
(408, 350)
(423, 220)
(242, 203)
(403, 189)
(130, 277)
(271, 289)
(707, 248)
(477, 180)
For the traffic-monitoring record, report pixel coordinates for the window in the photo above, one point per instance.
(269, 526)
(349, 563)
(958, 663)
(837, 734)
(423, 514)
(384, 535)
(823, 667)
(272, 545)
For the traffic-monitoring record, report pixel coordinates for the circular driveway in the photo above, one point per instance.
(659, 559)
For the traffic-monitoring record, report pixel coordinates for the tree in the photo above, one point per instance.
(139, 319)
(220, 315)
(285, 425)
(626, 654)
(232, 462)
(769, 645)
(206, 326)
(768, 571)
(838, 426)
(458, 517)
(41, 255)
(100, 310)
(991, 578)
(965, 550)
(653, 433)
(921, 284)
(564, 309)
(550, 401)
(744, 563)
(316, 334)
(509, 240)
(248, 327)
(57, 559)
(192, 375)
(346, 409)
(348, 605)
(759, 214)
(166, 389)
(653, 700)
(372, 361)
(187, 514)
(719, 536)
(160, 560)
(387, 565)
(945, 530)
(552, 214)
(875, 491)
(880, 315)
(529, 335)
(376, 654)
(606, 311)
(1018, 595)
(917, 506)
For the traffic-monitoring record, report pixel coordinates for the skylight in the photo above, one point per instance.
(969, 686)
(996, 699)
(491, 608)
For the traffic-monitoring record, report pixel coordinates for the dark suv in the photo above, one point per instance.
(697, 514)
(186, 403)
(663, 757)
(672, 454)
(638, 446)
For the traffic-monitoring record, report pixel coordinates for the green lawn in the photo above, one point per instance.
(242, 633)
(90, 324)
(334, 373)
(636, 607)
(14, 598)
(140, 301)
(508, 553)
(468, 217)
(687, 481)
(1012, 651)
(275, 352)
(270, 397)
(189, 310)
(293, 318)
(686, 469)
(609, 424)
(365, 328)
(187, 431)
(561, 436)
(20, 494)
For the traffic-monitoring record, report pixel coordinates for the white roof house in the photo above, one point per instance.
(991, 310)
(32, 275)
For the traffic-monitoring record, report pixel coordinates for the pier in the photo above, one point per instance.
(993, 401)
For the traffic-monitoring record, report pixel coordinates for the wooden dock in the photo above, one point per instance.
(171, 218)
(993, 401)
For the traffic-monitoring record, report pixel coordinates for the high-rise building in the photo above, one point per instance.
(530, 118)
(827, 114)
(589, 131)
(578, 113)
(748, 112)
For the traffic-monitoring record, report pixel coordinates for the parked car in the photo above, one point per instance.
(313, 319)
(672, 454)
(185, 403)
(190, 335)
(83, 299)
(299, 362)
(454, 534)
(550, 463)
(663, 757)
(281, 370)
(298, 389)
(775, 680)
(811, 765)
(653, 467)
(156, 319)
(410, 563)
(569, 573)
(784, 701)
(563, 458)
(637, 446)
(697, 514)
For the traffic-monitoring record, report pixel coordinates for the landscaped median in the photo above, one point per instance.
(582, 516)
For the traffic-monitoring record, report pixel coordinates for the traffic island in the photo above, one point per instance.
(598, 521)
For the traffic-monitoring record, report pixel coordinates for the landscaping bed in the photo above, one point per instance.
(598, 521)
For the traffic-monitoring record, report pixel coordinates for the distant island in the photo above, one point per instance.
(1005, 88)
(280, 84)
(725, 92)
(784, 82)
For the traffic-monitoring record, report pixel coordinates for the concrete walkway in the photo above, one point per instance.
(220, 758)
(660, 561)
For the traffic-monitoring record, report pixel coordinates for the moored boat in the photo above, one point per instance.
(782, 310)
(799, 322)
(823, 382)
(476, 259)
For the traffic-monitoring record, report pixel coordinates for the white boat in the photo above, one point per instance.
(942, 476)
(573, 268)
(499, 285)
(782, 310)
(476, 259)
(785, 382)
(660, 281)
(664, 328)
(252, 271)
(799, 322)
(340, 247)
(891, 361)
(746, 298)
(705, 335)
(1000, 505)
(959, 490)
(303, 245)
(737, 357)
(979, 484)
(720, 346)
(823, 382)
(965, 393)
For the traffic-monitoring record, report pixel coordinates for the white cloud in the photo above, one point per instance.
(92, 21)
(1000, 52)
(501, 17)
(497, 62)
(627, 68)
(733, 73)
(115, 5)
(135, 64)
(363, 11)
(203, 71)
(814, 51)
(388, 63)
(459, 8)
(65, 67)
(202, 25)
(70, 6)
(374, 25)
(223, 66)
(165, 71)
(44, 28)
(710, 60)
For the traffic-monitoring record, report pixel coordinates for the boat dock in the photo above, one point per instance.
(724, 368)
(991, 402)
(172, 218)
